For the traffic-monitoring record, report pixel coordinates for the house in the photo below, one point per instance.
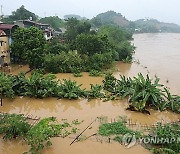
(4, 48)
(47, 30)
(8, 29)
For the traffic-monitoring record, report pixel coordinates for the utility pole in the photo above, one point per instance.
(1, 12)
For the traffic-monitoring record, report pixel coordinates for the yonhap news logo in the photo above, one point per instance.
(129, 140)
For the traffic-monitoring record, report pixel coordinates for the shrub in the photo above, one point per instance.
(63, 62)
(167, 132)
(6, 86)
(91, 44)
(100, 61)
(95, 73)
(125, 51)
(13, 126)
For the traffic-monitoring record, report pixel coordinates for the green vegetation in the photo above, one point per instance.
(110, 18)
(168, 131)
(75, 27)
(95, 92)
(117, 130)
(77, 74)
(95, 73)
(28, 47)
(6, 89)
(122, 50)
(13, 126)
(54, 21)
(70, 89)
(78, 50)
(20, 14)
(78, 17)
(143, 93)
(164, 139)
(155, 26)
(64, 62)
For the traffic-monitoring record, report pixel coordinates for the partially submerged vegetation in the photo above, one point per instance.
(163, 139)
(117, 130)
(170, 138)
(142, 92)
(80, 49)
(37, 136)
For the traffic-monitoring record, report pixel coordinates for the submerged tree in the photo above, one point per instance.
(5, 87)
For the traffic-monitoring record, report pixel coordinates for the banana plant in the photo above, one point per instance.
(69, 89)
(173, 101)
(144, 90)
(41, 86)
(95, 92)
(109, 83)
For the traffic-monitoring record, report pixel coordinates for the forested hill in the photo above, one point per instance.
(110, 18)
(138, 26)
(154, 26)
(74, 16)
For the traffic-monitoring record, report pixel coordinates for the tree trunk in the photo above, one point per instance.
(1, 99)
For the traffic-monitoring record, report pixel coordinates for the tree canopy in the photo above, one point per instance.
(28, 46)
(54, 21)
(75, 27)
(110, 18)
(23, 14)
(20, 14)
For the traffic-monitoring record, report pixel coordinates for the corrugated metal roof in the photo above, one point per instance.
(33, 22)
(6, 26)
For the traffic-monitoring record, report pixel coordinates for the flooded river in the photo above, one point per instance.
(158, 54)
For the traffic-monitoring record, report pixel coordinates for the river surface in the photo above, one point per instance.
(158, 54)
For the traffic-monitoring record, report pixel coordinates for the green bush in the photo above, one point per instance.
(38, 135)
(6, 86)
(13, 126)
(100, 61)
(167, 132)
(63, 62)
(125, 51)
(90, 44)
(56, 47)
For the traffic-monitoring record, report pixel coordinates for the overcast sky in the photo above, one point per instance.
(163, 10)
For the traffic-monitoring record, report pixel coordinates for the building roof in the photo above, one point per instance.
(33, 22)
(6, 26)
(2, 33)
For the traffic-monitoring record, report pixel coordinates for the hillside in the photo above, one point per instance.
(110, 18)
(154, 26)
(74, 16)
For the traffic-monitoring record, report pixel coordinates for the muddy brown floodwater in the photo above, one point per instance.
(158, 54)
